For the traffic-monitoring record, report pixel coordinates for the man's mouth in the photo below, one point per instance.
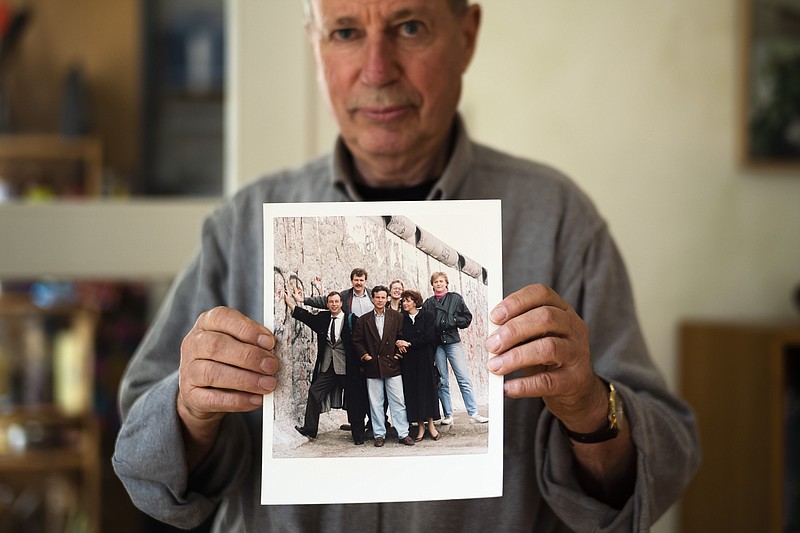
(383, 113)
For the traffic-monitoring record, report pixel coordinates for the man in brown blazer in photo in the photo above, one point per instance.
(374, 338)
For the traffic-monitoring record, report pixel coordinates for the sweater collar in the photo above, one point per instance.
(444, 189)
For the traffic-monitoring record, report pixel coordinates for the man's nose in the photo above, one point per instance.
(380, 61)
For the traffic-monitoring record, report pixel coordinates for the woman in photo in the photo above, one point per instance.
(395, 291)
(420, 378)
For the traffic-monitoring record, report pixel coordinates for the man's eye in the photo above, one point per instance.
(344, 34)
(410, 28)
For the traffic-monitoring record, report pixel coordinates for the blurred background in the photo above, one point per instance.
(122, 124)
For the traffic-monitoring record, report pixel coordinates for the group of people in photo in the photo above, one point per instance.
(384, 350)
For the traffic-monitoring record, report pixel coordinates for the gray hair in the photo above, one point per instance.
(459, 7)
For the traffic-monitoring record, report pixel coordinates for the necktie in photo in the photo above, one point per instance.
(333, 330)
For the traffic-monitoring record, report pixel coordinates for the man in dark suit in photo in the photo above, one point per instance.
(337, 369)
(374, 341)
(357, 301)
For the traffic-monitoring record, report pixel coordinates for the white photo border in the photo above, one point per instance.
(330, 480)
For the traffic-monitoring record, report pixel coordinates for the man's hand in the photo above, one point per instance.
(290, 302)
(297, 294)
(543, 338)
(227, 365)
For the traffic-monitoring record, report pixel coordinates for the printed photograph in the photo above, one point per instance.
(380, 319)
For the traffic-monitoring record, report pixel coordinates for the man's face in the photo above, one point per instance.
(334, 304)
(359, 282)
(379, 300)
(391, 71)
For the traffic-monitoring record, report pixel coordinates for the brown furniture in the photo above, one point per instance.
(38, 149)
(49, 437)
(742, 380)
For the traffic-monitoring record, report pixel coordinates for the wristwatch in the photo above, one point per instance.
(609, 429)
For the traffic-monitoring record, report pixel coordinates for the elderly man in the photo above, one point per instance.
(568, 342)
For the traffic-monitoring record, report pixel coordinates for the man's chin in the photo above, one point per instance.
(383, 145)
(380, 139)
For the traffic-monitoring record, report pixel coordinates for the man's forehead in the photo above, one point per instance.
(348, 11)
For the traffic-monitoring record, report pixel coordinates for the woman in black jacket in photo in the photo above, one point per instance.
(420, 378)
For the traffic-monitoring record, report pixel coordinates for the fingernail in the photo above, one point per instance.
(266, 383)
(494, 364)
(265, 341)
(267, 364)
(256, 400)
(498, 314)
(493, 343)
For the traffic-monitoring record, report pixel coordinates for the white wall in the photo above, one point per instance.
(99, 239)
(638, 102)
(271, 105)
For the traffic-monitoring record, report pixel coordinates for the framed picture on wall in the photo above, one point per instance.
(770, 129)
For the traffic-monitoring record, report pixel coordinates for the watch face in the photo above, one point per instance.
(615, 412)
(618, 412)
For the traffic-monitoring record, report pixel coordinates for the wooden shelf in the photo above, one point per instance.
(80, 452)
(87, 150)
(42, 460)
(55, 435)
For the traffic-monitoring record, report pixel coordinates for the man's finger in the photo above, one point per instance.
(205, 373)
(223, 401)
(221, 347)
(535, 385)
(545, 321)
(547, 352)
(525, 299)
(237, 325)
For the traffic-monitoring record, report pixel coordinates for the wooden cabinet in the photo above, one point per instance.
(743, 380)
(49, 438)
